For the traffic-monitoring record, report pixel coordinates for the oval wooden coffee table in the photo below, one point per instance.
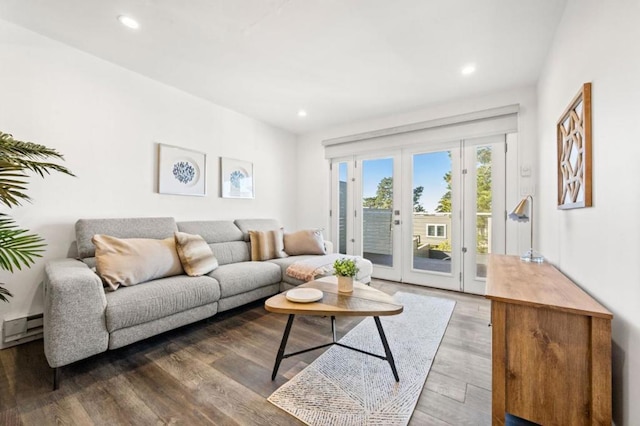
(364, 301)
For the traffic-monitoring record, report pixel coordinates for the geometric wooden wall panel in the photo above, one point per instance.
(574, 152)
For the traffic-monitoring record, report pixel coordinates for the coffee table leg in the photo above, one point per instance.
(387, 350)
(283, 345)
(333, 329)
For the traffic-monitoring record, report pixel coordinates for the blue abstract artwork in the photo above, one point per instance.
(184, 172)
(236, 178)
(181, 171)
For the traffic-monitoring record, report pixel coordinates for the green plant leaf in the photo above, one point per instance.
(4, 292)
(18, 248)
(16, 157)
(15, 148)
(12, 185)
(345, 267)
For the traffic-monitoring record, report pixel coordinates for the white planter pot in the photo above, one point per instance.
(345, 284)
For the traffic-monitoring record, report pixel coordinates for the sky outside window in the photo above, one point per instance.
(428, 171)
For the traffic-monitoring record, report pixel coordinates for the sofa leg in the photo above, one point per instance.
(56, 378)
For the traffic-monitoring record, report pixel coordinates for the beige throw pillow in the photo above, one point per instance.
(131, 261)
(195, 254)
(267, 245)
(308, 241)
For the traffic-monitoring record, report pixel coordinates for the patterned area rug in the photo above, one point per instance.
(344, 387)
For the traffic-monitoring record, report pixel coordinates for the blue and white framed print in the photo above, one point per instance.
(236, 178)
(181, 171)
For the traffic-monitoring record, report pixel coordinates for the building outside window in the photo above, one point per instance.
(436, 230)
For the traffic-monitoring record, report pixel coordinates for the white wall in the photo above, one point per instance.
(107, 120)
(599, 247)
(313, 169)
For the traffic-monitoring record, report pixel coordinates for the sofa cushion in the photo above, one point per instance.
(139, 227)
(236, 278)
(213, 231)
(195, 254)
(231, 252)
(267, 245)
(130, 261)
(156, 299)
(307, 241)
(247, 225)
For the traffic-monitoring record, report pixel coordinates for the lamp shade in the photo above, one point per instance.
(520, 213)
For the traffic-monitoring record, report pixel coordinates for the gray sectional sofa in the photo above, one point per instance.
(81, 319)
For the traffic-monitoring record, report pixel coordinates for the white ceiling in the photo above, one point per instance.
(341, 60)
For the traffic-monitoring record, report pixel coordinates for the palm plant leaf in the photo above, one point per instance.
(4, 292)
(16, 157)
(18, 248)
(28, 155)
(13, 183)
(14, 147)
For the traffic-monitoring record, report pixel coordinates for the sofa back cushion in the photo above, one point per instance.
(231, 252)
(213, 231)
(224, 238)
(150, 227)
(247, 225)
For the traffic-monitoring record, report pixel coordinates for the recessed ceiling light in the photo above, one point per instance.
(302, 113)
(128, 22)
(468, 69)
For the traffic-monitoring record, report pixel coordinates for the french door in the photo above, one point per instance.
(425, 216)
(365, 191)
(461, 216)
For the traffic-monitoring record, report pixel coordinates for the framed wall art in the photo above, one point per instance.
(181, 171)
(236, 178)
(574, 152)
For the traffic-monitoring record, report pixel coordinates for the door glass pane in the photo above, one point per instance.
(342, 208)
(377, 206)
(483, 209)
(432, 230)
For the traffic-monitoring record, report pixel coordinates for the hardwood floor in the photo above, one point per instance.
(218, 371)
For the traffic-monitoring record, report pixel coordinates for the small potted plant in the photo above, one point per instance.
(345, 269)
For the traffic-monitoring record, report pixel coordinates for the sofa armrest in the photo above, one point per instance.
(328, 246)
(74, 309)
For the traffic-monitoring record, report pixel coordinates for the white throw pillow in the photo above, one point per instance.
(130, 261)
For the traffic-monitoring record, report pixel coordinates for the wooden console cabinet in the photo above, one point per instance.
(551, 346)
